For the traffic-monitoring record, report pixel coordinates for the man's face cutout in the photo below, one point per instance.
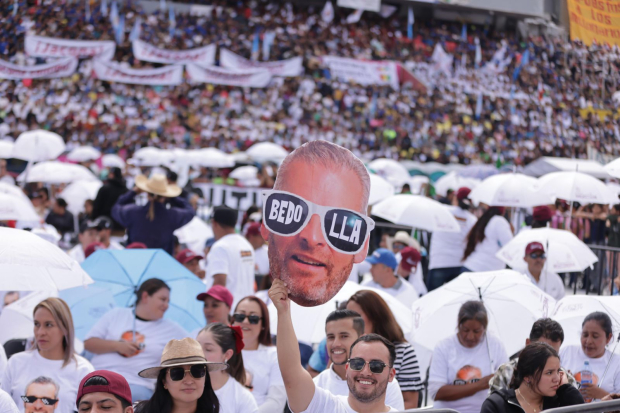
(43, 398)
(316, 260)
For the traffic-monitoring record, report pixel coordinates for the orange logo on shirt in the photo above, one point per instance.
(578, 379)
(139, 339)
(468, 374)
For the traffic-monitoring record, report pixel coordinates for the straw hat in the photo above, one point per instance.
(181, 353)
(158, 185)
(404, 238)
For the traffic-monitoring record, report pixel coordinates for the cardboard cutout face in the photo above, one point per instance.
(315, 221)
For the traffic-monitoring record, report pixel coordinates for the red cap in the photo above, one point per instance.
(117, 385)
(92, 248)
(533, 247)
(187, 255)
(462, 193)
(542, 213)
(253, 229)
(219, 292)
(411, 257)
(136, 246)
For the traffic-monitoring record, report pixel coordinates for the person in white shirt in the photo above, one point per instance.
(549, 282)
(261, 257)
(104, 229)
(231, 259)
(190, 260)
(342, 328)
(223, 344)
(410, 269)
(4, 176)
(7, 405)
(49, 374)
(383, 277)
(368, 371)
(88, 235)
(126, 340)
(490, 233)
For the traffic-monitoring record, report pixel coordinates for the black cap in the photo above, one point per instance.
(86, 225)
(103, 222)
(225, 216)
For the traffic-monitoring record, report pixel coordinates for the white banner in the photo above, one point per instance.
(59, 68)
(148, 53)
(82, 49)
(287, 68)
(222, 76)
(370, 5)
(113, 72)
(364, 72)
(231, 196)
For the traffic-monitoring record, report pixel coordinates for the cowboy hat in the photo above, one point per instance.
(158, 185)
(181, 353)
(404, 238)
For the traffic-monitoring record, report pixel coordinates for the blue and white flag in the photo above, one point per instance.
(410, 21)
(15, 7)
(119, 31)
(136, 30)
(268, 40)
(479, 106)
(172, 21)
(525, 60)
(114, 19)
(328, 12)
(87, 14)
(162, 5)
(464, 33)
(256, 45)
(478, 58)
(104, 8)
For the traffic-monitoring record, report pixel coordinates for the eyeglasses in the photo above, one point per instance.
(375, 366)
(286, 214)
(252, 319)
(46, 400)
(197, 371)
(538, 255)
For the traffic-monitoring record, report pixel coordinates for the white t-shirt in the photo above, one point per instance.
(77, 253)
(262, 364)
(119, 322)
(261, 259)
(447, 248)
(404, 291)
(7, 405)
(233, 255)
(358, 271)
(451, 362)
(27, 366)
(3, 360)
(416, 278)
(550, 282)
(330, 381)
(234, 398)
(572, 358)
(496, 234)
(324, 402)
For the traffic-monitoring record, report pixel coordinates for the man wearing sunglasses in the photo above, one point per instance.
(548, 281)
(41, 396)
(315, 220)
(368, 371)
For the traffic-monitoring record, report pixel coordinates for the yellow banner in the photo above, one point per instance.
(595, 20)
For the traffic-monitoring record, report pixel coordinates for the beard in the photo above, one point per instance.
(379, 390)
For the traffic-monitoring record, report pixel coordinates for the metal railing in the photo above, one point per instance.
(599, 279)
(429, 410)
(595, 407)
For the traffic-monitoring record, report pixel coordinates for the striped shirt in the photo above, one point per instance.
(407, 368)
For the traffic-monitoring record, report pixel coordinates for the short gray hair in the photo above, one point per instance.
(330, 156)
(44, 380)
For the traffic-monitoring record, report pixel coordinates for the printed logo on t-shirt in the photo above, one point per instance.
(246, 254)
(578, 379)
(468, 374)
(41, 395)
(139, 339)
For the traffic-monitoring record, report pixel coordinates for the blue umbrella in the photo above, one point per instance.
(122, 272)
(88, 305)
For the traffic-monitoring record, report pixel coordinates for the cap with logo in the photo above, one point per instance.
(86, 225)
(219, 292)
(103, 222)
(117, 385)
(533, 247)
(187, 255)
(383, 256)
(410, 258)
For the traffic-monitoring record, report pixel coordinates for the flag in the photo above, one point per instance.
(464, 33)
(410, 21)
(541, 91)
(478, 58)
(373, 107)
(525, 59)
(479, 106)
(512, 98)
(328, 12)
(162, 5)
(256, 45)
(442, 60)
(268, 39)
(104, 8)
(355, 16)
(386, 10)
(114, 15)
(119, 31)
(136, 30)
(87, 14)
(172, 21)
(15, 7)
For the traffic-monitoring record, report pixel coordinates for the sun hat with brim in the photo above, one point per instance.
(158, 185)
(181, 353)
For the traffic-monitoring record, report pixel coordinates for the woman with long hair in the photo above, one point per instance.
(49, 374)
(538, 383)
(378, 319)
(183, 384)
(263, 376)
(223, 344)
(488, 235)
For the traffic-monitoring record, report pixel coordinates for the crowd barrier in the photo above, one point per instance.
(599, 279)
(595, 407)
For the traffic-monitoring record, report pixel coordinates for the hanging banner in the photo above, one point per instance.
(592, 21)
(50, 47)
(286, 68)
(203, 55)
(232, 196)
(222, 76)
(60, 68)
(370, 5)
(113, 72)
(364, 72)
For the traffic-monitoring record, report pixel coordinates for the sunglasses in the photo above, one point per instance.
(46, 400)
(286, 214)
(375, 366)
(197, 371)
(252, 319)
(538, 255)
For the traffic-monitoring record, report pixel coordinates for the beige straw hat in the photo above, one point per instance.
(158, 185)
(181, 353)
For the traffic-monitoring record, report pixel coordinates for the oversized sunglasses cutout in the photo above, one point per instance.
(375, 366)
(197, 371)
(45, 400)
(287, 214)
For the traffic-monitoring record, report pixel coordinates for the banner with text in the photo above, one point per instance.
(222, 76)
(364, 72)
(149, 53)
(595, 20)
(287, 68)
(113, 72)
(234, 197)
(370, 5)
(51, 47)
(59, 68)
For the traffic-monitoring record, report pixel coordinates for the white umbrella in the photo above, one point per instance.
(54, 172)
(453, 181)
(6, 149)
(418, 212)
(84, 154)
(416, 182)
(30, 263)
(76, 193)
(13, 190)
(38, 145)
(267, 151)
(576, 186)
(194, 234)
(390, 170)
(565, 252)
(13, 207)
(613, 168)
(211, 158)
(244, 173)
(16, 318)
(380, 189)
(509, 190)
(149, 156)
(240, 157)
(111, 160)
(512, 302)
(309, 322)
